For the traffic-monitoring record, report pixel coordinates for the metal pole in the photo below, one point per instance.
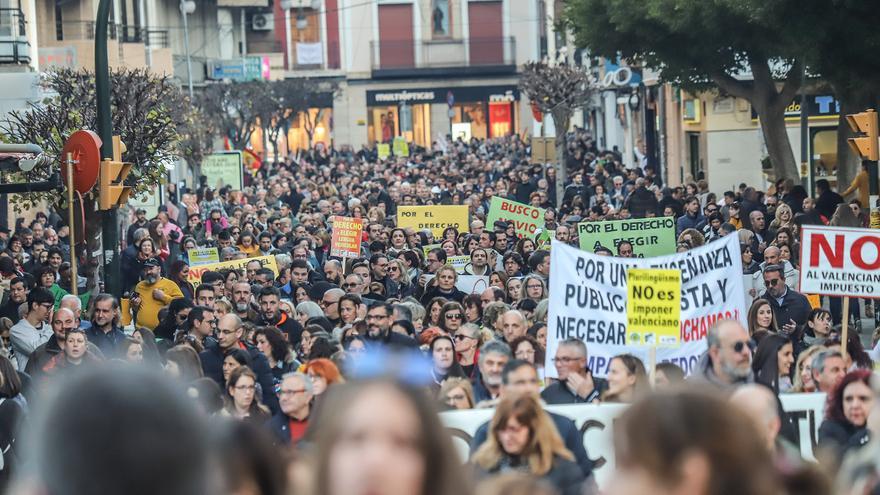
(70, 203)
(805, 129)
(110, 227)
(189, 76)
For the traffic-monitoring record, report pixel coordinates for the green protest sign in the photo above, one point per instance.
(648, 236)
(224, 169)
(525, 219)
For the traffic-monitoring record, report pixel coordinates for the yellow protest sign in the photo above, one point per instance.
(203, 256)
(653, 307)
(383, 150)
(196, 272)
(400, 147)
(435, 218)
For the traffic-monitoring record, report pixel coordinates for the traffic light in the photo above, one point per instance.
(112, 192)
(865, 146)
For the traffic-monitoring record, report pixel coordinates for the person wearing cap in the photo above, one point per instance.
(152, 293)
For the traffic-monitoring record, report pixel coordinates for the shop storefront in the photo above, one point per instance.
(479, 112)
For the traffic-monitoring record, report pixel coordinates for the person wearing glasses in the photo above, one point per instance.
(241, 397)
(576, 383)
(728, 359)
(33, 330)
(467, 342)
(451, 317)
(229, 337)
(379, 319)
(290, 423)
(792, 309)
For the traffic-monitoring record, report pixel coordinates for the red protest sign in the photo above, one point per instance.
(346, 239)
(839, 261)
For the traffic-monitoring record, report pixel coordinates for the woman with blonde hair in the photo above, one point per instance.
(398, 284)
(523, 438)
(803, 370)
(457, 393)
(627, 379)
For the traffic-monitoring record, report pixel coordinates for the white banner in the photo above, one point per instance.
(596, 424)
(839, 261)
(309, 53)
(588, 301)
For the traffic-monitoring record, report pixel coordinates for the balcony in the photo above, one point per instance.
(85, 30)
(475, 56)
(14, 46)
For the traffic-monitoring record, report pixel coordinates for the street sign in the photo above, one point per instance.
(450, 98)
(85, 148)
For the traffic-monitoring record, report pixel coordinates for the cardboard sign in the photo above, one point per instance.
(653, 307)
(526, 219)
(203, 256)
(195, 273)
(589, 292)
(345, 241)
(648, 236)
(383, 150)
(435, 218)
(458, 262)
(224, 169)
(840, 261)
(400, 147)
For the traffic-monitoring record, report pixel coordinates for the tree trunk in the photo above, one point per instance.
(561, 120)
(776, 137)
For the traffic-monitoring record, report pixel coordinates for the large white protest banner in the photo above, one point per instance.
(839, 261)
(596, 424)
(588, 301)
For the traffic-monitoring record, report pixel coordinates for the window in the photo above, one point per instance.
(440, 19)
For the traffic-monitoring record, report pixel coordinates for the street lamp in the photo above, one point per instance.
(187, 7)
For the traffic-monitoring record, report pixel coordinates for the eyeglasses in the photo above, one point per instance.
(566, 359)
(392, 268)
(741, 345)
(455, 398)
(771, 283)
(460, 336)
(289, 393)
(349, 286)
(534, 286)
(453, 316)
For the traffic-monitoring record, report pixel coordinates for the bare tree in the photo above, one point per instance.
(557, 90)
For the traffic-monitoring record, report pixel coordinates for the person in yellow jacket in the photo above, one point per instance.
(152, 293)
(862, 183)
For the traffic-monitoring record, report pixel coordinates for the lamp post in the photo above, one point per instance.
(187, 7)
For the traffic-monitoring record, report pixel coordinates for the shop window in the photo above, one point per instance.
(473, 114)
(384, 124)
(310, 128)
(500, 119)
(824, 155)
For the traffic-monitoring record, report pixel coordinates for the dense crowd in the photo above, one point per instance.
(316, 374)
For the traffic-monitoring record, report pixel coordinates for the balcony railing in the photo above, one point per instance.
(474, 52)
(14, 46)
(85, 30)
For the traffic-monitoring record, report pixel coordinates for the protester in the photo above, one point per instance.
(772, 364)
(456, 393)
(846, 416)
(575, 382)
(523, 438)
(241, 399)
(627, 379)
(728, 360)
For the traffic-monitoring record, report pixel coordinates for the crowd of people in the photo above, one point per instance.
(325, 375)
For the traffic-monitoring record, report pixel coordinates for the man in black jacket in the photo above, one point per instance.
(641, 202)
(827, 200)
(379, 334)
(576, 384)
(229, 334)
(521, 377)
(792, 309)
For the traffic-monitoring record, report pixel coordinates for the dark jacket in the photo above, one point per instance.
(827, 203)
(574, 440)
(795, 306)
(108, 342)
(558, 393)
(288, 326)
(212, 365)
(434, 291)
(565, 475)
(840, 437)
(640, 202)
(392, 341)
(689, 222)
